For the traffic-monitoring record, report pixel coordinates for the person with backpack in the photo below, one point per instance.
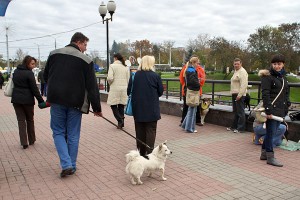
(201, 78)
(191, 83)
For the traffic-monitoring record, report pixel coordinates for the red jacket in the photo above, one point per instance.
(201, 76)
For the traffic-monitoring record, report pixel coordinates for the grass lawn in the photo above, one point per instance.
(207, 88)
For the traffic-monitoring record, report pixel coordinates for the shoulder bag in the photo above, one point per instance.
(8, 90)
(128, 109)
(192, 96)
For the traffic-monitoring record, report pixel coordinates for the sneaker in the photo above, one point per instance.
(236, 131)
(195, 131)
(230, 129)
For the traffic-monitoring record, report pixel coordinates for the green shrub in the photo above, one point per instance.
(159, 73)
(176, 73)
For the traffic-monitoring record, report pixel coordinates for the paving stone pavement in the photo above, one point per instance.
(211, 164)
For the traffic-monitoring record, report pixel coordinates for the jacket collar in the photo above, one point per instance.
(273, 72)
(73, 45)
(117, 62)
(22, 67)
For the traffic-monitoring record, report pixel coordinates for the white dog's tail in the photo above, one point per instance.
(132, 155)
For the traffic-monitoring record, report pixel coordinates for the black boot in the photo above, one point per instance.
(272, 161)
(263, 155)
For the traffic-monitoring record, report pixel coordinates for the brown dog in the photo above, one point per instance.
(204, 108)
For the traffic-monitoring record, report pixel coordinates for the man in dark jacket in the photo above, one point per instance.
(72, 85)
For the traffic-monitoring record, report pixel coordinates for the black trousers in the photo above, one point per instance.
(26, 123)
(185, 109)
(146, 132)
(118, 111)
(238, 108)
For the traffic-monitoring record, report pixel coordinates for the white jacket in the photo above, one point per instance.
(118, 78)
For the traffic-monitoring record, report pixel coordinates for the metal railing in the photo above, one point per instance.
(175, 92)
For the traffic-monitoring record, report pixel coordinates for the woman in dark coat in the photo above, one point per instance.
(272, 81)
(147, 88)
(25, 89)
(1, 80)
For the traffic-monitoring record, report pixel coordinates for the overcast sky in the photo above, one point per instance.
(155, 20)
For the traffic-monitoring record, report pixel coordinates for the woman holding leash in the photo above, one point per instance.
(118, 76)
(146, 89)
(274, 86)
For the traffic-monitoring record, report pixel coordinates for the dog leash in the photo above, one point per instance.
(126, 132)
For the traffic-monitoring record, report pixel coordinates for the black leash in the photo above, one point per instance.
(126, 132)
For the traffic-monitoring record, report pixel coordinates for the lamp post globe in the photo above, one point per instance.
(103, 9)
(111, 7)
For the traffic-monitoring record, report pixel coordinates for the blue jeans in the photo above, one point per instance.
(271, 129)
(261, 132)
(66, 121)
(238, 108)
(189, 121)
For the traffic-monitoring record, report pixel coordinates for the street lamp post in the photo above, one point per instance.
(39, 54)
(103, 9)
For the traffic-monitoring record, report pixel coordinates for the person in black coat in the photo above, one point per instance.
(273, 83)
(147, 88)
(42, 82)
(25, 89)
(1, 80)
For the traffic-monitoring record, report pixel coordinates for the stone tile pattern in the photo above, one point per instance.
(212, 164)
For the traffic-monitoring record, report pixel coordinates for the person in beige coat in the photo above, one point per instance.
(118, 78)
(238, 89)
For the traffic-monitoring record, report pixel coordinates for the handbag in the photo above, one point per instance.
(8, 90)
(260, 108)
(192, 98)
(295, 115)
(128, 109)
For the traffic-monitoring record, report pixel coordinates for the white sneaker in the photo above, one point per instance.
(236, 131)
(195, 131)
(229, 129)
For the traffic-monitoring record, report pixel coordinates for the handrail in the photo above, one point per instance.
(102, 79)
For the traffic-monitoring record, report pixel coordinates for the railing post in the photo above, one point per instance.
(258, 95)
(180, 92)
(167, 89)
(213, 94)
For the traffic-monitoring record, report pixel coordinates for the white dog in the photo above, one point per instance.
(136, 164)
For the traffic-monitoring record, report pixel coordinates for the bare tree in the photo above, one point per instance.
(20, 55)
(200, 43)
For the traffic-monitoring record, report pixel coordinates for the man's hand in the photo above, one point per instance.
(98, 114)
(237, 98)
(270, 116)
